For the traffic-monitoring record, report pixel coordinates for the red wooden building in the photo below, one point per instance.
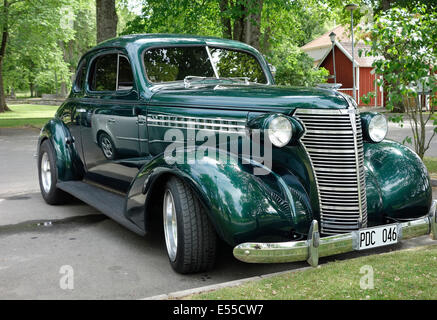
(321, 50)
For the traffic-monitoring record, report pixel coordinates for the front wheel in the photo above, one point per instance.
(190, 238)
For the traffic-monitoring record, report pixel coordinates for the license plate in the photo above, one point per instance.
(376, 237)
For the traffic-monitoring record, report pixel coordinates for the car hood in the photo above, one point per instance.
(250, 97)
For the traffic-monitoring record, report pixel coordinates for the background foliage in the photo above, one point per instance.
(406, 43)
(47, 37)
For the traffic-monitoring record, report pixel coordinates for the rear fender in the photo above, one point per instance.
(68, 163)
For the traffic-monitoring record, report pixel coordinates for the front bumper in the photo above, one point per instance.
(315, 247)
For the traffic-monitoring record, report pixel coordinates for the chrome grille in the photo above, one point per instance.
(337, 158)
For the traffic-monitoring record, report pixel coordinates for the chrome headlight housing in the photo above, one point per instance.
(375, 126)
(279, 130)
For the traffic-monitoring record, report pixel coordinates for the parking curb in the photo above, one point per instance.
(434, 182)
(184, 293)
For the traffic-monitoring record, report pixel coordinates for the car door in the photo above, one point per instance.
(109, 121)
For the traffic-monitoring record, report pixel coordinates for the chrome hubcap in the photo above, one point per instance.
(106, 147)
(46, 174)
(170, 225)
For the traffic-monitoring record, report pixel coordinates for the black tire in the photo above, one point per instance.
(51, 195)
(105, 139)
(196, 237)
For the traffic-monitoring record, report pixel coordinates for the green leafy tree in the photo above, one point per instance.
(186, 17)
(258, 23)
(46, 45)
(30, 32)
(406, 46)
(294, 67)
(78, 21)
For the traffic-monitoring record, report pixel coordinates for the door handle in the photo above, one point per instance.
(142, 120)
(111, 120)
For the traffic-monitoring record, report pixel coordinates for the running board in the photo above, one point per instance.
(109, 203)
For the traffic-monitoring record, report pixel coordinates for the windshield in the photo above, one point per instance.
(178, 63)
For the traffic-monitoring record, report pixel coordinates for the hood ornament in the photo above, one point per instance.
(333, 86)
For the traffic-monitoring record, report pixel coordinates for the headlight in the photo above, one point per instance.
(376, 126)
(280, 131)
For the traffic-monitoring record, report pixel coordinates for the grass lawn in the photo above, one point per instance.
(25, 115)
(406, 274)
(431, 164)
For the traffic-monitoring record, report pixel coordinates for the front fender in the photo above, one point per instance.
(398, 183)
(241, 206)
(69, 166)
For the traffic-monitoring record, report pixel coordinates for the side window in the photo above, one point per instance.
(80, 77)
(103, 75)
(125, 77)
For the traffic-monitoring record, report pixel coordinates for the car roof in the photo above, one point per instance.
(163, 39)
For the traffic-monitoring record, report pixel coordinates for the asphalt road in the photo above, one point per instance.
(108, 261)
(395, 132)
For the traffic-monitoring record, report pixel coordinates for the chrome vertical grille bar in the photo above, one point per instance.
(334, 142)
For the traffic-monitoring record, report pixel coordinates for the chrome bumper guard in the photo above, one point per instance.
(315, 247)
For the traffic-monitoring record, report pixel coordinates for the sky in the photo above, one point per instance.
(135, 6)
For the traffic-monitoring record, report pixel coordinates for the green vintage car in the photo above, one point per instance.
(193, 131)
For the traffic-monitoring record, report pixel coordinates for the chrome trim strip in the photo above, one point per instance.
(211, 130)
(206, 124)
(334, 132)
(218, 125)
(353, 113)
(172, 115)
(331, 112)
(331, 151)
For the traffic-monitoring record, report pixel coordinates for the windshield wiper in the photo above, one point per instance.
(246, 80)
(189, 79)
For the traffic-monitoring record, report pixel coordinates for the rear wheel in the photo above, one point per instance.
(48, 175)
(190, 238)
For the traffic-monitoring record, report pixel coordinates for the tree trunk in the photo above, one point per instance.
(253, 24)
(5, 36)
(247, 26)
(64, 91)
(385, 5)
(226, 21)
(238, 31)
(32, 89)
(106, 20)
(3, 105)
